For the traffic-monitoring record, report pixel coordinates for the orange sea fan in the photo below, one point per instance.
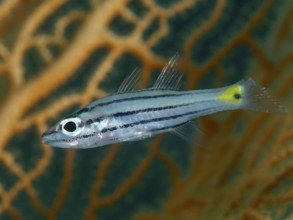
(57, 55)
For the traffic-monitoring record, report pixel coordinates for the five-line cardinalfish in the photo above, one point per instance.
(133, 114)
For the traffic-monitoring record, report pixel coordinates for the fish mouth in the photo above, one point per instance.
(55, 143)
(50, 137)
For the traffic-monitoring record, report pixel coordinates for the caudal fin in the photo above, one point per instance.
(258, 99)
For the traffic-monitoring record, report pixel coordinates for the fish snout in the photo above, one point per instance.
(47, 135)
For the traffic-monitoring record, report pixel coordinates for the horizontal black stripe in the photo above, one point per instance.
(139, 122)
(127, 113)
(134, 124)
(151, 96)
(108, 129)
(88, 109)
(48, 133)
(151, 120)
(83, 110)
(76, 114)
(121, 114)
(136, 98)
(159, 119)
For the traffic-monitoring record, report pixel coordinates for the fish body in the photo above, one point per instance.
(133, 115)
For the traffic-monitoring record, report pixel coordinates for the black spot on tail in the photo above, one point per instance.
(237, 96)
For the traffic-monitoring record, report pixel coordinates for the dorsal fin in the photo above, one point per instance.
(130, 82)
(170, 77)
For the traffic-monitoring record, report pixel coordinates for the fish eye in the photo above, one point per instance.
(71, 126)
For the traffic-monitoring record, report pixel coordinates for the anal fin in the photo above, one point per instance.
(189, 132)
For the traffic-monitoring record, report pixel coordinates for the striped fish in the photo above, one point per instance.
(132, 115)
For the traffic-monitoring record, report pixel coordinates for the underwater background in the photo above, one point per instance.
(58, 55)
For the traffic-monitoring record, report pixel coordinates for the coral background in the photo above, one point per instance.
(58, 55)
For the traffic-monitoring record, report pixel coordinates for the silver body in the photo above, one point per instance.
(142, 114)
(133, 115)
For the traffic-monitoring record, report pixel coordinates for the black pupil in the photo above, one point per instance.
(237, 96)
(70, 126)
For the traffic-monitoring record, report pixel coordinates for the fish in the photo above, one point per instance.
(131, 114)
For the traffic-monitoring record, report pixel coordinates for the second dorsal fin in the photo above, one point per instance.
(170, 77)
(130, 82)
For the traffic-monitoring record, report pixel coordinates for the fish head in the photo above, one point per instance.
(66, 134)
